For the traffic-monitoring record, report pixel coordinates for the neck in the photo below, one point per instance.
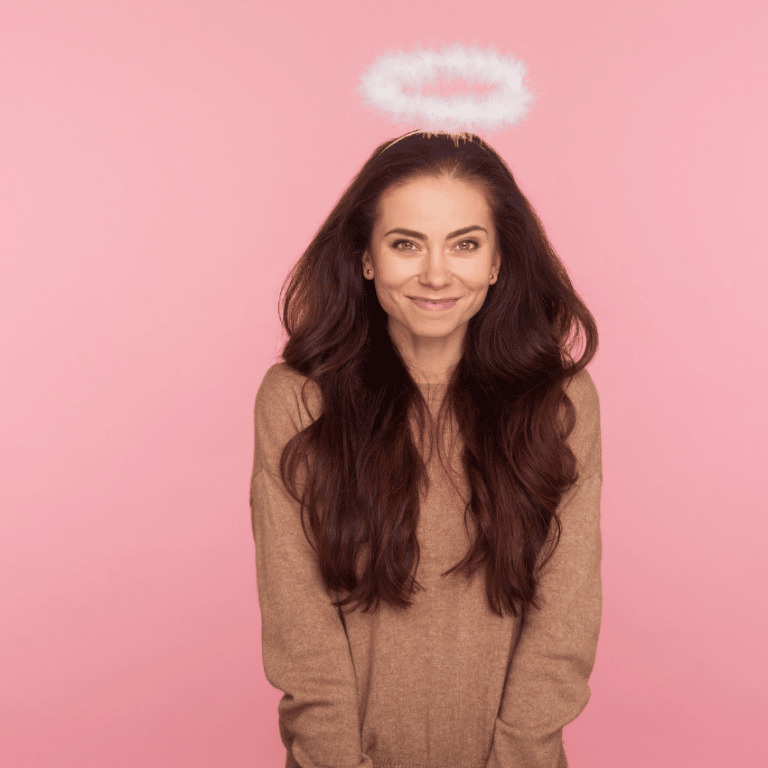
(430, 360)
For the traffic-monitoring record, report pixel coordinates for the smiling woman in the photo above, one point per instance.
(429, 304)
(417, 286)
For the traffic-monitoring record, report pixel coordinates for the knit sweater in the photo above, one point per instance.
(446, 683)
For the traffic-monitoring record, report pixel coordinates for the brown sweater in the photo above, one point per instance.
(446, 683)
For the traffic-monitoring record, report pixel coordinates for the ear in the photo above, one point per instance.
(496, 265)
(367, 264)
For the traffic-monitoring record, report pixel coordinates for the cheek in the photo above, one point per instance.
(388, 301)
(394, 274)
(478, 277)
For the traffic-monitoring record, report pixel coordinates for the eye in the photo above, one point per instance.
(474, 243)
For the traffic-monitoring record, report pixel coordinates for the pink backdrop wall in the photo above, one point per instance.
(164, 163)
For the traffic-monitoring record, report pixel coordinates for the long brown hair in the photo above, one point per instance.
(361, 470)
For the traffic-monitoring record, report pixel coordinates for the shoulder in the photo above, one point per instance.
(585, 437)
(286, 395)
(280, 413)
(582, 392)
(279, 380)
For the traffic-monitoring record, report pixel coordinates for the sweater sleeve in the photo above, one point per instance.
(547, 681)
(304, 644)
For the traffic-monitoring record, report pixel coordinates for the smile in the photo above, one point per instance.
(433, 306)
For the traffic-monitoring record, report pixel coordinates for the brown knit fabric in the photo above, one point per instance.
(446, 683)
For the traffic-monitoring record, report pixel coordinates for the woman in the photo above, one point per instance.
(426, 486)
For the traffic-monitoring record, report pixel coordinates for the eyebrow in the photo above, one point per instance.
(419, 236)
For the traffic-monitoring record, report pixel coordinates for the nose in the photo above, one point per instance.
(435, 273)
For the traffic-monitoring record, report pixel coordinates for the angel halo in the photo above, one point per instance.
(383, 84)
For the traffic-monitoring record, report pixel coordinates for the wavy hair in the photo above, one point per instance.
(361, 471)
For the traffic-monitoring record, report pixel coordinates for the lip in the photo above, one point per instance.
(432, 305)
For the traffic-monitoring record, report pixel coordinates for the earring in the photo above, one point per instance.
(491, 276)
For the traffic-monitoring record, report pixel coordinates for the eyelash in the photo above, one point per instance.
(467, 250)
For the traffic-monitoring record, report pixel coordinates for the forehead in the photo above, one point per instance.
(434, 199)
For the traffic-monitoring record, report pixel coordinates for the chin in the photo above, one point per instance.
(433, 333)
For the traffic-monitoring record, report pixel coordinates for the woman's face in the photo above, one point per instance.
(433, 241)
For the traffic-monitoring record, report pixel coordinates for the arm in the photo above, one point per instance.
(304, 646)
(547, 683)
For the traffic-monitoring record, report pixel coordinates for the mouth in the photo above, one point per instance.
(433, 305)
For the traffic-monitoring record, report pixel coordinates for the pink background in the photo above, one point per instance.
(164, 163)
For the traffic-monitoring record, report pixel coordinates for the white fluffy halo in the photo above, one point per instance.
(382, 88)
